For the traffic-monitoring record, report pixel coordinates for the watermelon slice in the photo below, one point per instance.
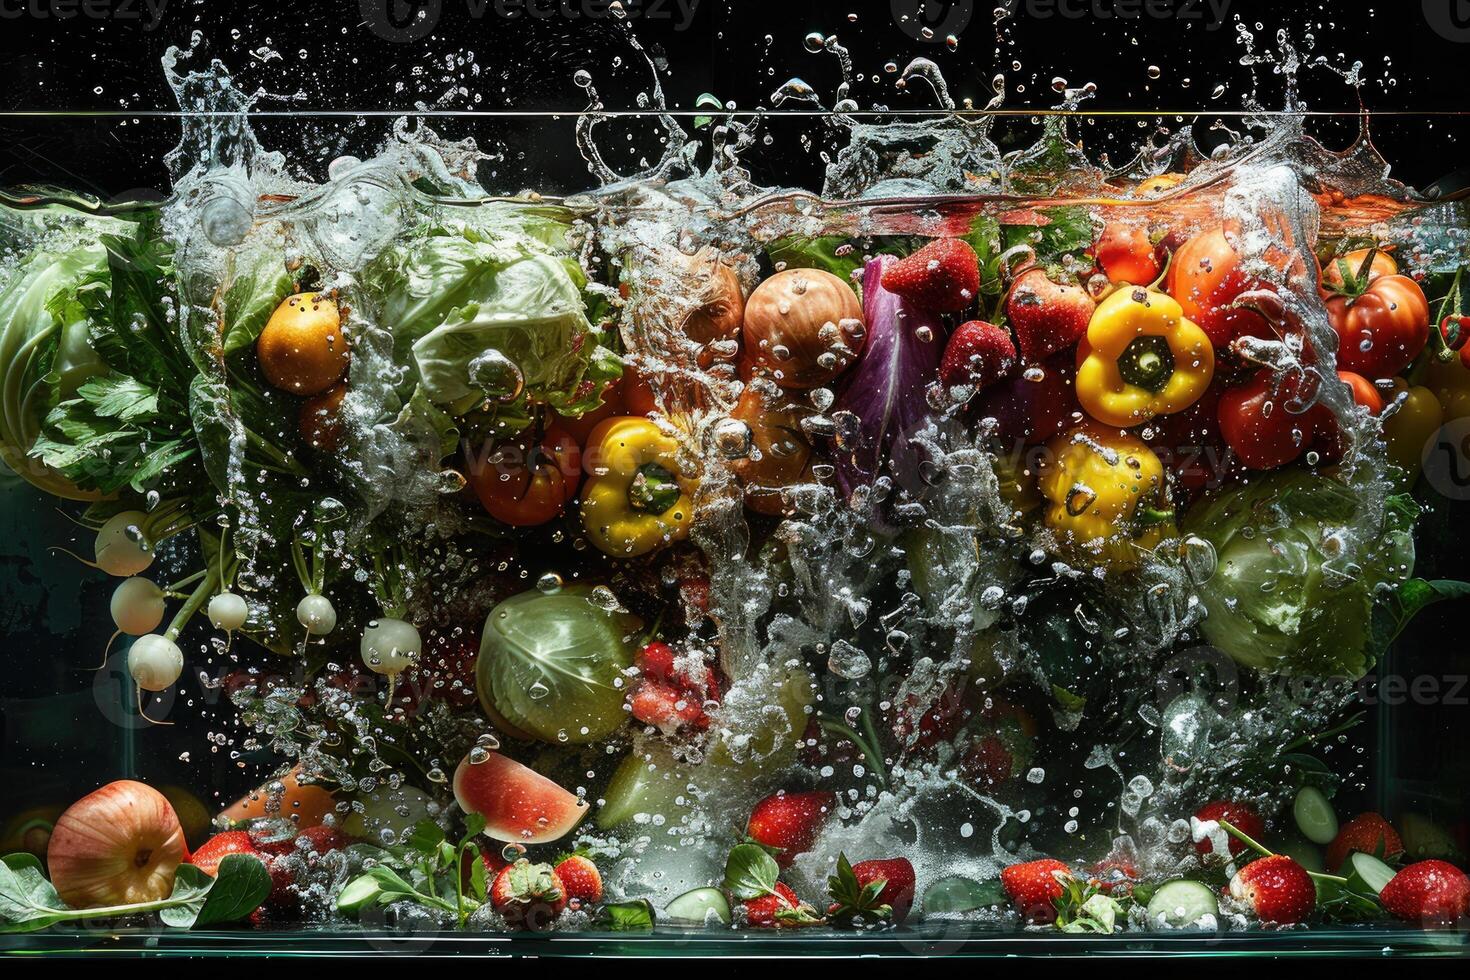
(520, 806)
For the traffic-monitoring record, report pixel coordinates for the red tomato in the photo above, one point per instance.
(523, 484)
(1365, 393)
(1208, 275)
(637, 394)
(1382, 330)
(1125, 254)
(1257, 423)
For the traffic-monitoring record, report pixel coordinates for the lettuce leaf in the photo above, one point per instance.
(493, 313)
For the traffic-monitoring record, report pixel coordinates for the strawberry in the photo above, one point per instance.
(1276, 888)
(666, 707)
(527, 895)
(941, 277)
(218, 847)
(1428, 891)
(656, 661)
(789, 822)
(988, 763)
(1242, 816)
(781, 909)
(939, 723)
(222, 845)
(318, 840)
(898, 890)
(1047, 317)
(978, 354)
(1367, 832)
(582, 879)
(1034, 886)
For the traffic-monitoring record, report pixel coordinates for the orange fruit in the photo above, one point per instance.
(302, 349)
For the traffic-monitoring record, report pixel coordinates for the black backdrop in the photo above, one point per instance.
(92, 55)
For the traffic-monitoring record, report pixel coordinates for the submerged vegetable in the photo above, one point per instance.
(634, 501)
(1141, 357)
(492, 314)
(44, 353)
(1107, 496)
(1300, 559)
(551, 666)
(883, 397)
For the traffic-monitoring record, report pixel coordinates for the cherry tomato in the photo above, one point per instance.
(1125, 254)
(1364, 391)
(1383, 329)
(1258, 424)
(525, 484)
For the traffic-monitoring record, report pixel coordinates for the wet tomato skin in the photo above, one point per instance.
(526, 484)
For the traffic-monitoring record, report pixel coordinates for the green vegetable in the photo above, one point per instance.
(427, 869)
(698, 905)
(1179, 904)
(1371, 872)
(956, 894)
(634, 916)
(45, 353)
(750, 872)
(1314, 815)
(1296, 579)
(551, 666)
(493, 313)
(28, 902)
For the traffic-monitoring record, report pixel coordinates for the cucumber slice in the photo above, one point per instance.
(694, 907)
(1375, 873)
(959, 894)
(358, 893)
(1179, 904)
(1315, 817)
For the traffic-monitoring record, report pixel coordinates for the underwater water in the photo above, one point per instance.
(985, 542)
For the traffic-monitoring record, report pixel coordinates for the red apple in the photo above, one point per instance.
(520, 805)
(117, 846)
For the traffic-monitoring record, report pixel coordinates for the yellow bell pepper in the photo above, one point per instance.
(1106, 497)
(1409, 429)
(1450, 382)
(1141, 357)
(633, 501)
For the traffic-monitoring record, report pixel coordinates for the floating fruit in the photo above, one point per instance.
(520, 806)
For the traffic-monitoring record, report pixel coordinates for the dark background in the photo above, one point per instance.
(521, 55)
(57, 74)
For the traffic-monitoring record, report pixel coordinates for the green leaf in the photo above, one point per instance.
(635, 916)
(1392, 616)
(426, 837)
(241, 885)
(259, 285)
(750, 872)
(1069, 232)
(27, 900)
(117, 396)
(474, 826)
(191, 890)
(830, 253)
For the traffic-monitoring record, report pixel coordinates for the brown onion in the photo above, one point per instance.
(780, 454)
(803, 327)
(117, 846)
(723, 311)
